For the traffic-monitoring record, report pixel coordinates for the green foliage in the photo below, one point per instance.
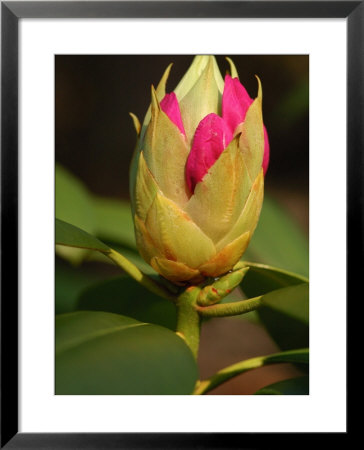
(73, 205)
(285, 314)
(67, 234)
(119, 340)
(278, 241)
(106, 218)
(285, 309)
(300, 356)
(69, 283)
(294, 386)
(73, 202)
(261, 279)
(108, 354)
(131, 255)
(114, 222)
(125, 296)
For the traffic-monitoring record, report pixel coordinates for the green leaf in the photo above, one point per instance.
(278, 240)
(300, 356)
(294, 386)
(69, 283)
(67, 234)
(125, 296)
(108, 354)
(114, 221)
(285, 314)
(291, 301)
(261, 279)
(74, 205)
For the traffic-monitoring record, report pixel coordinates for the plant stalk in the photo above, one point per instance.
(188, 318)
(230, 309)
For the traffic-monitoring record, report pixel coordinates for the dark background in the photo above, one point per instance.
(95, 139)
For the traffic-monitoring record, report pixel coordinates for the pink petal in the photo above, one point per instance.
(235, 102)
(170, 106)
(211, 137)
(266, 152)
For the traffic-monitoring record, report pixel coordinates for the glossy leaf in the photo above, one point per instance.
(294, 386)
(67, 234)
(278, 240)
(285, 314)
(262, 278)
(125, 296)
(109, 354)
(298, 356)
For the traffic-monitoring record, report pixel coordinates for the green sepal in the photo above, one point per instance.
(233, 71)
(165, 151)
(136, 123)
(160, 93)
(217, 204)
(194, 72)
(252, 135)
(202, 99)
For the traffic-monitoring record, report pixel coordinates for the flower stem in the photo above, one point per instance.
(188, 318)
(230, 309)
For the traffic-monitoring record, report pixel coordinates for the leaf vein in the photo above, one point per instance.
(77, 342)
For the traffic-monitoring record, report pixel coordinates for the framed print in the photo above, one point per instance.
(163, 166)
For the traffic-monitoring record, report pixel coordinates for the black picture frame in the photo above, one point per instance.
(11, 12)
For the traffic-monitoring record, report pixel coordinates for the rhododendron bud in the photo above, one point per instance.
(196, 176)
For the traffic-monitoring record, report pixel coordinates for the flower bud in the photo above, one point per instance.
(197, 174)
